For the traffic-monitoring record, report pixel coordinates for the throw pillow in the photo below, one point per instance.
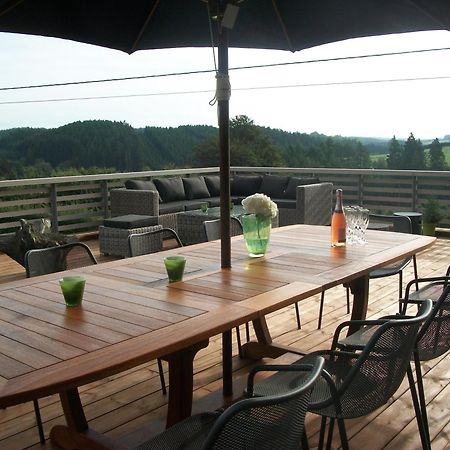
(291, 189)
(273, 185)
(245, 185)
(141, 185)
(213, 184)
(195, 187)
(170, 189)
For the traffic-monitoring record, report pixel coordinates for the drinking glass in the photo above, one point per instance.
(73, 290)
(175, 267)
(350, 217)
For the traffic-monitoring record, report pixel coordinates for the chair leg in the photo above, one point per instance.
(305, 443)
(239, 342)
(343, 434)
(322, 300)
(330, 434)
(416, 275)
(421, 392)
(297, 315)
(348, 299)
(419, 417)
(247, 331)
(323, 426)
(40, 428)
(161, 377)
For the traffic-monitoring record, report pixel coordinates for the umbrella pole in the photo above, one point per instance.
(224, 147)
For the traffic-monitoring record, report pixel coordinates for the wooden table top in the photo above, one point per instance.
(130, 314)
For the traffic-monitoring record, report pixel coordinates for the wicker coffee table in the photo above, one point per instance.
(190, 223)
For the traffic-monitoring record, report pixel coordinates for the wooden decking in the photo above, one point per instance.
(122, 404)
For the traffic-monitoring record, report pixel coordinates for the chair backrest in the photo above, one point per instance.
(399, 224)
(368, 379)
(265, 422)
(56, 259)
(151, 241)
(433, 339)
(212, 228)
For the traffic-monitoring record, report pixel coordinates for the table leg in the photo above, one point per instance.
(181, 374)
(360, 290)
(73, 410)
(227, 363)
(265, 346)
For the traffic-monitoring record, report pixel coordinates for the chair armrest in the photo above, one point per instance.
(444, 280)
(133, 201)
(314, 203)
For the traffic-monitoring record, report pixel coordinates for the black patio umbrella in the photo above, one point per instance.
(131, 25)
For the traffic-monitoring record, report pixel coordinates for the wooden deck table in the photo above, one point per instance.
(130, 315)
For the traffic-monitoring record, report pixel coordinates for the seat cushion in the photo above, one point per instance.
(170, 189)
(285, 203)
(195, 187)
(213, 185)
(214, 201)
(172, 207)
(273, 185)
(131, 221)
(241, 186)
(291, 188)
(190, 205)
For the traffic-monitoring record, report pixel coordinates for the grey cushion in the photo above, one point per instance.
(195, 187)
(285, 203)
(189, 205)
(141, 185)
(273, 185)
(172, 207)
(170, 189)
(213, 184)
(242, 186)
(131, 221)
(214, 201)
(291, 188)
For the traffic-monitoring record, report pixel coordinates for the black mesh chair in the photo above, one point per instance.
(362, 379)
(56, 259)
(399, 224)
(269, 423)
(151, 241)
(212, 228)
(43, 261)
(433, 339)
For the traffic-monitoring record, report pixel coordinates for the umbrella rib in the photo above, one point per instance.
(143, 28)
(283, 26)
(11, 6)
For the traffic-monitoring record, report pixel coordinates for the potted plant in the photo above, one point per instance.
(433, 212)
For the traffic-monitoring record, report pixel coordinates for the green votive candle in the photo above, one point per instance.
(73, 290)
(175, 267)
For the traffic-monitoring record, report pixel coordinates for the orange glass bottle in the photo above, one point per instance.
(338, 222)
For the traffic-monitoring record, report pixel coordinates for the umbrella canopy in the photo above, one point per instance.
(269, 24)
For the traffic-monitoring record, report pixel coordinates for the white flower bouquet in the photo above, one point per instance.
(260, 205)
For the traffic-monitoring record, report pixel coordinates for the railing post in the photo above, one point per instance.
(54, 207)
(361, 189)
(104, 192)
(415, 192)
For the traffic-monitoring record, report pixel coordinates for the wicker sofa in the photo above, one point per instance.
(300, 200)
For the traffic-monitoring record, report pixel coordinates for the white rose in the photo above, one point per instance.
(261, 205)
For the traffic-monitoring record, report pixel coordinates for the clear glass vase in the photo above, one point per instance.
(256, 233)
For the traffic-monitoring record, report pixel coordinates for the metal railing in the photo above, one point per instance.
(79, 203)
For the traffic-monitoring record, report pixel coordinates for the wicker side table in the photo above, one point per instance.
(114, 241)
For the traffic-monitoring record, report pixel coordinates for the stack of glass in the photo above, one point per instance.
(357, 221)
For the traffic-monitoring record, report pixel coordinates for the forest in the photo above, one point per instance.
(100, 146)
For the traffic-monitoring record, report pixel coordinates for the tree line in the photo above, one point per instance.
(100, 146)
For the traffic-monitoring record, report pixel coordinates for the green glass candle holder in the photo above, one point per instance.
(73, 290)
(175, 267)
(204, 207)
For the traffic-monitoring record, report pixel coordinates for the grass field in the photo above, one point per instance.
(445, 149)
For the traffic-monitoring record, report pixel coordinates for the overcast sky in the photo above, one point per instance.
(379, 109)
